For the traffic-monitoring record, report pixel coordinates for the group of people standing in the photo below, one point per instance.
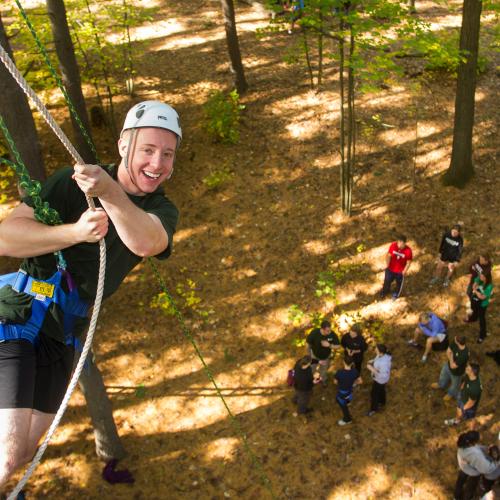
(459, 376)
(313, 368)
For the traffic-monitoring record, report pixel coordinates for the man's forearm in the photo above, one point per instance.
(142, 233)
(22, 236)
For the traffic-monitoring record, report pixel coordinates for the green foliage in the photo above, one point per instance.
(6, 178)
(217, 177)
(108, 20)
(140, 391)
(441, 51)
(187, 299)
(325, 285)
(222, 113)
(295, 315)
(375, 329)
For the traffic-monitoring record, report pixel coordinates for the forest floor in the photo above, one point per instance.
(254, 247)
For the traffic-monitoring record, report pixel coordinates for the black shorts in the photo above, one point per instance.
(34, 377)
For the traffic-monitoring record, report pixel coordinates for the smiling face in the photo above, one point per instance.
(150, 162)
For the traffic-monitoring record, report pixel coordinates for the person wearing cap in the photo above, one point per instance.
(136, 220)
(450, 252)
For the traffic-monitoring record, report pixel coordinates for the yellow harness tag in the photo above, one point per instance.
(41, 288)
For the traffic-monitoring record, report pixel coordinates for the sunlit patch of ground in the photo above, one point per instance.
(255, 247)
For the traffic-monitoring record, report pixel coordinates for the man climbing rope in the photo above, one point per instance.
(43, 308)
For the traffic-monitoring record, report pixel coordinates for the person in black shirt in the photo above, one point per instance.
(303, 384)
(346, 379)
(482, 265)
(320, 343)
(450, 252)
(355, 345)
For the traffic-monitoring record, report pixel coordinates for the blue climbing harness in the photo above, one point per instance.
(44, 292)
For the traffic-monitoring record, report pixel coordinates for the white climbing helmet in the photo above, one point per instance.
(153, 114)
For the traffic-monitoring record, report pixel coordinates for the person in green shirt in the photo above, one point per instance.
(470, 394)
(453, 369)
(482, 288)
(135, 219)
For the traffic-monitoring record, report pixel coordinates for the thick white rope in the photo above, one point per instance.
(100, 283)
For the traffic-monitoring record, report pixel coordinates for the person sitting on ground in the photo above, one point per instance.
(398, 261)
(481, 265)
(355, 345)
(320, 343)
(433, 328)
(380, 368)
(303, 384)
(472, 462)
(450, 252)
(453, 369)
(346, 379)
(482, 289)
(469, 397)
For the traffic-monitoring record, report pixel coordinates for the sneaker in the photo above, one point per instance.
(342, 422)
(424, 359)
(451, 421)
(480, 340)
(435, 385)
(433, 281)
(371, 413)
(447, 397)
(413, 343)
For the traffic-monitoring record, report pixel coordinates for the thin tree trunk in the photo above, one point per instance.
(320, 50)
(461, 168)
(233, 47)
(105, 74)
(351, 146)
(308, 56)
(70, 75)
(17, 115)
(107, 441)
(342, 117)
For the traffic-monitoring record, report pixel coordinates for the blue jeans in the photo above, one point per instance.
(447, 378)
(389, 277)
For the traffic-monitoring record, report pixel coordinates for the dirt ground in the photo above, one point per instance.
(254, 247)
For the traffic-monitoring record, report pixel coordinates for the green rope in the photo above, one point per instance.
(43, 212)
(234, 421)
(58, 81)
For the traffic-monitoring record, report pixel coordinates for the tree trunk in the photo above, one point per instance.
(342, 117)
(233, 46)
(71, 76)
(461, 168)
(17, 115)
(107, 440)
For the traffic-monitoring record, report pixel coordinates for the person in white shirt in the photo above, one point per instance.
(380, 368)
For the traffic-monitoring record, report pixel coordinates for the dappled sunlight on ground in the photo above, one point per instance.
(255, 246)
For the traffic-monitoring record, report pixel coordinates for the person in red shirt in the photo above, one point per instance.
(398, 261)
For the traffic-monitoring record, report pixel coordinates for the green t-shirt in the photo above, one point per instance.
(483, 289)
(460, 357)
(64, 195)
(471, 389)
